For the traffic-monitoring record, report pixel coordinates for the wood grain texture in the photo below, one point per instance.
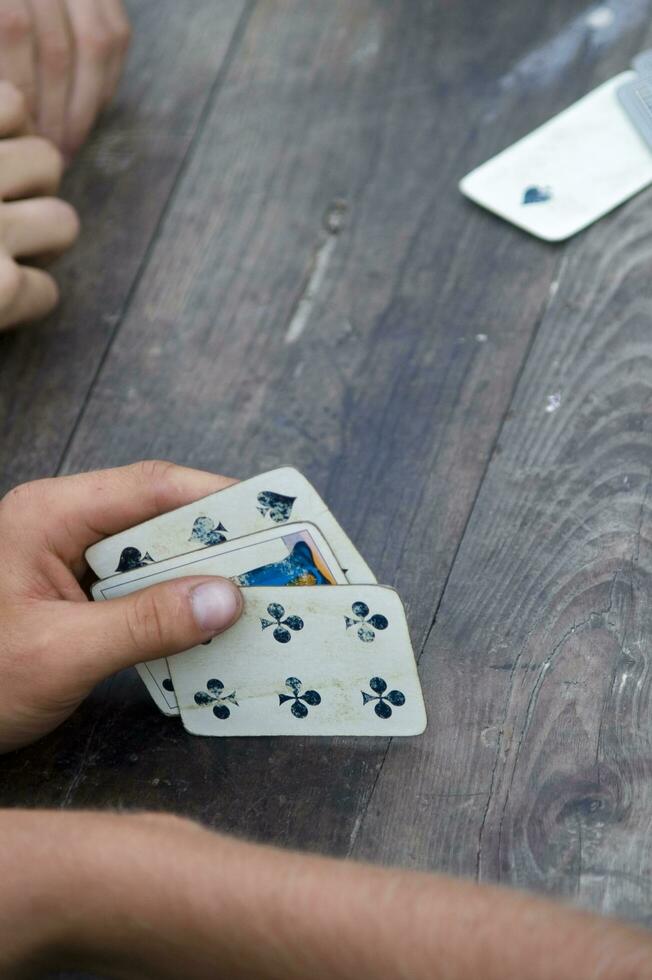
(120, 184)
(387, 400)
(539, 769)
(320, 294)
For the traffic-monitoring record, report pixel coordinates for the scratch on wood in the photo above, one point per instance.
(359, 820)
(318, 269)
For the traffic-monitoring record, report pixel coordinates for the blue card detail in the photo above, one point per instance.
(275, 505)
(221, 702)
(536, 195)
(300, 702)
(207, 531)
(384, 702)
(131, 558)
(281, 633)
(366, 626)
(298, 568)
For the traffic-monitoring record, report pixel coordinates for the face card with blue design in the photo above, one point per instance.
(569, 172)
(308, 661)
(263, 502)
(295, 554)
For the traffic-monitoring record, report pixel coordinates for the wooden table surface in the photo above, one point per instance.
(473, 404)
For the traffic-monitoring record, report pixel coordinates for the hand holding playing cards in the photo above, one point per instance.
(54, 644)
(66, 57)
(31, 224)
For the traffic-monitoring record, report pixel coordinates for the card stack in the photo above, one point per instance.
(321, 648)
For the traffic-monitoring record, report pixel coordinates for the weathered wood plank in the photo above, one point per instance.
(386, 398)
(537, 771)
(120, 184)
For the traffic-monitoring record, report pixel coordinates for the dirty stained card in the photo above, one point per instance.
(308, 661)
(266, 501)
(569, 172)
(296, 554)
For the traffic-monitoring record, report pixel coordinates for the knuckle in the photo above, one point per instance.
(154, 470)
(13, 102)
(47, 157)
(98, 44)
(15, 23)
(52, 158)
(122, 36)
(55, 56)
(146, 623)
(51, 295)
(24, 497)
(67, 220)
(11, 281)
(165, 822)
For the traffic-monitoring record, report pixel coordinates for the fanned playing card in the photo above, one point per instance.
(266, 501)
(295, 554)
(310, 661)
(569, 172)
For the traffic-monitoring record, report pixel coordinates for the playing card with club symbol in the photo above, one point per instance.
(309, 661)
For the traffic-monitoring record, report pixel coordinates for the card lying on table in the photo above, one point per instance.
(305, 661)
(570, 171)
(265, 501)
(292, 555)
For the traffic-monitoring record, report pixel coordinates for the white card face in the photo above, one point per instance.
(569, 172)
(292, 555)
(266, 501)
(308, 661)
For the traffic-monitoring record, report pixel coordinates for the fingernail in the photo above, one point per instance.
(215, 605)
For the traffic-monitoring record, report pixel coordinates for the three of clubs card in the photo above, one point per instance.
(303, 658)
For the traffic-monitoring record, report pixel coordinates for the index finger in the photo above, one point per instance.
(82, 509)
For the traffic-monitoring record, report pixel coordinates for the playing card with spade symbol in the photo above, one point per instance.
(263, 502)
(308, 661)
(569, 172)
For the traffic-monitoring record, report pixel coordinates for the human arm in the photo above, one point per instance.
(159, 897)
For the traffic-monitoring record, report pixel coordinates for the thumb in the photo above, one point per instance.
(156, 622)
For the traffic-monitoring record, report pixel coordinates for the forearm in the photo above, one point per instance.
(154, 897)
(260, 913)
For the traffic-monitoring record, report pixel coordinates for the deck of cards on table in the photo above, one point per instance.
(320, 649)
(579, 165)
